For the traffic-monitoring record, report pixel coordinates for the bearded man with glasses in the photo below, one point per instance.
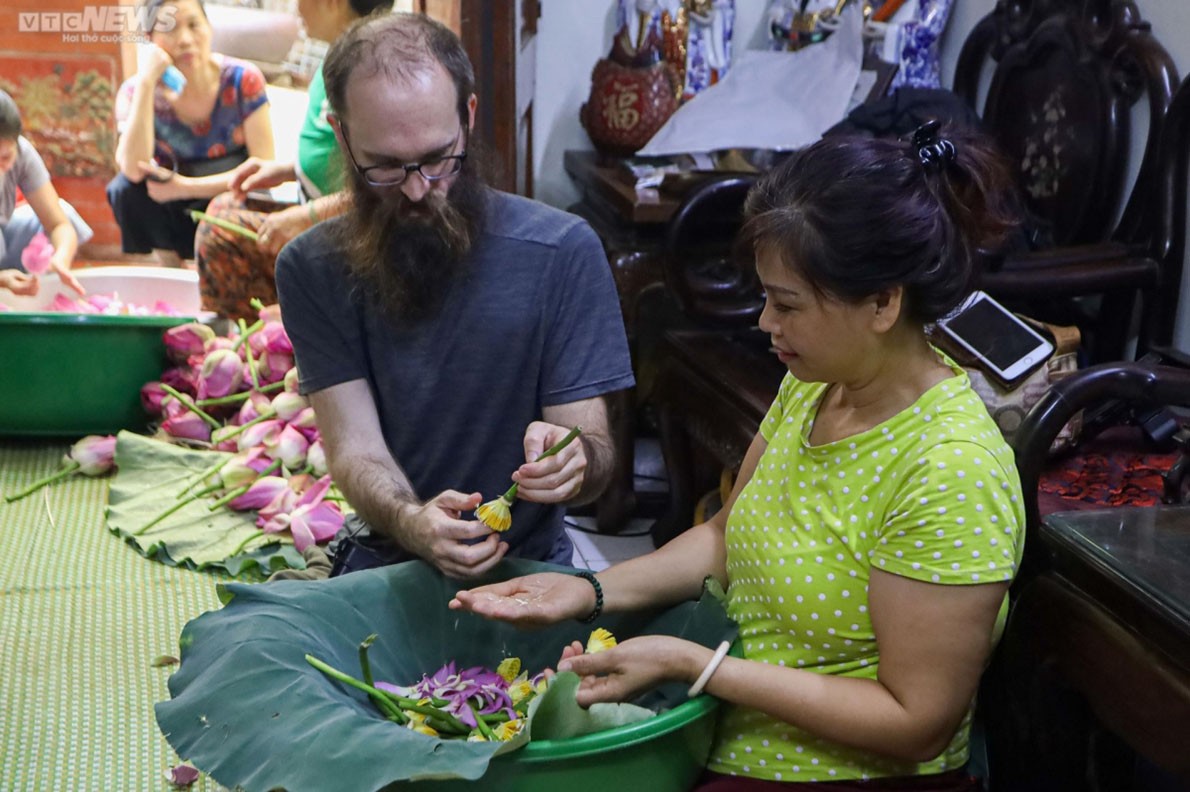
(446, 333)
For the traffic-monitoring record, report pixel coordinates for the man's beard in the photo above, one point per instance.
(404, 256)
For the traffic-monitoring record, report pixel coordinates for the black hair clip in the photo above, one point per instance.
(932, 150)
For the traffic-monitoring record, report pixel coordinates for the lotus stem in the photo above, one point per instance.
(245, 332)
(238, 491)
(189, 404)
(36, 485)
(364, 665)
(248, 354)
(174, 508)
(484, 729)
(212, 470)
(375, 693)
(226, 225)
(241, 396)
(264, 416)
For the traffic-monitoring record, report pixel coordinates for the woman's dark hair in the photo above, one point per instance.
(151, 10)
(402, 45)
(364, 7)
(855, 215)
(10, 118)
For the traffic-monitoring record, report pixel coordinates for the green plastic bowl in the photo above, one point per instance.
(662, 754)
(77, 374)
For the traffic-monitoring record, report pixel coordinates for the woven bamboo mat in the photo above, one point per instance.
(82, 617)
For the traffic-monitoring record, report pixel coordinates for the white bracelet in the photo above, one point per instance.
(705, 676)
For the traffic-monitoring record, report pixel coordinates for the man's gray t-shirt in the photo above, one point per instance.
(28, 172)
(534, 321)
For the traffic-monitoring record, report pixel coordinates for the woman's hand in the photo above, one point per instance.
(163, 184)
(258, 174)
(280, 227)
(61, 265)
(153, 63)
(18, 282)
(530, 601)
(629, 669)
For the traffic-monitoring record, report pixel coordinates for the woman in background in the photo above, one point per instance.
(21, 168)
(179, 145)
(234, 269)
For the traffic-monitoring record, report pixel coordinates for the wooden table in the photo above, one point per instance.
(1094, 668)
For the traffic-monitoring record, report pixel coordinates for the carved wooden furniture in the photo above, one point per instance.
(1093, 670)
(1069, 76)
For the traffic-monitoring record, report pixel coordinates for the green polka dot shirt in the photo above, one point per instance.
(931, 494)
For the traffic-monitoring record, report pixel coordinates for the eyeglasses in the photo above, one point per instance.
(392, 174)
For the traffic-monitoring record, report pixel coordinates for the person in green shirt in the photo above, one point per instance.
(877, 518)
(234, 269)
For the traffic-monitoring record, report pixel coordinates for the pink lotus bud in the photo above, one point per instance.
(280, 506)
(316, 458)
(185, 340)
(270, 313)
(291, 380)
(151, 396)
(275, 365)
(275, 338)
(300, 482)
(289, 405)
(289, 446)
(260, 494)
(95, 454)
(187, 425)
(252, 408)
(243, 468)
(181, 379)
(260, 434)
(304, 419)
(172, 408)
(63, 304)
(314, 524)
(221, 375)
(35, 258)
(218, 342)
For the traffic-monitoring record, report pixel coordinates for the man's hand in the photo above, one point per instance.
(280, 227)
(557, 478)
(259, 174)
(436, 532)
(530, 601)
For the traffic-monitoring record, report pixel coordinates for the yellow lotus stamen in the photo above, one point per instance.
(417, 722)
(475, 736)
(519, 689)
(600, 640)
(509, 729)
(508, 669)
(497, 514)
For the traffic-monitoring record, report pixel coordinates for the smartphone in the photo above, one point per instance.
(173, 79)
(1007, 346)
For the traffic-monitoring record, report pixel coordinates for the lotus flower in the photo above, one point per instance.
(243, 468)
(270, 313)
(94, 454)
(280, 506)
(181, 379)
(600, 640)
(35, 258)
(219, 342)
(312, 519)
(316, 458)
(291, 380)
(186, 425)
(289, 445)
(260, 433)
(260, 494)
(151, 398)
(188, 339)
(287, 405)
(275, 338)
(252, 408)
(222, 374)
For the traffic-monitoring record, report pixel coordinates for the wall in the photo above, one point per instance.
(574, 34)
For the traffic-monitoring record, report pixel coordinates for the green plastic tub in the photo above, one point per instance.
(76, 374)
(662, 754)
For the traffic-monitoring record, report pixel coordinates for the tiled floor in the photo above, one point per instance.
(597, 551)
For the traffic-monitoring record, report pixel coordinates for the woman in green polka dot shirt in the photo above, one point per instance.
(877, 518)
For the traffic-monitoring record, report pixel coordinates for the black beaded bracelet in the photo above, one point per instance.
(590, 578)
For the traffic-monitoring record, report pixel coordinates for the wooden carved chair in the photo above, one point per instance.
(1071, 83)
(1089, 687)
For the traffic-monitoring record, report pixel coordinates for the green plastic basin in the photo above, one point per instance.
(77, 374)
(662, 754)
